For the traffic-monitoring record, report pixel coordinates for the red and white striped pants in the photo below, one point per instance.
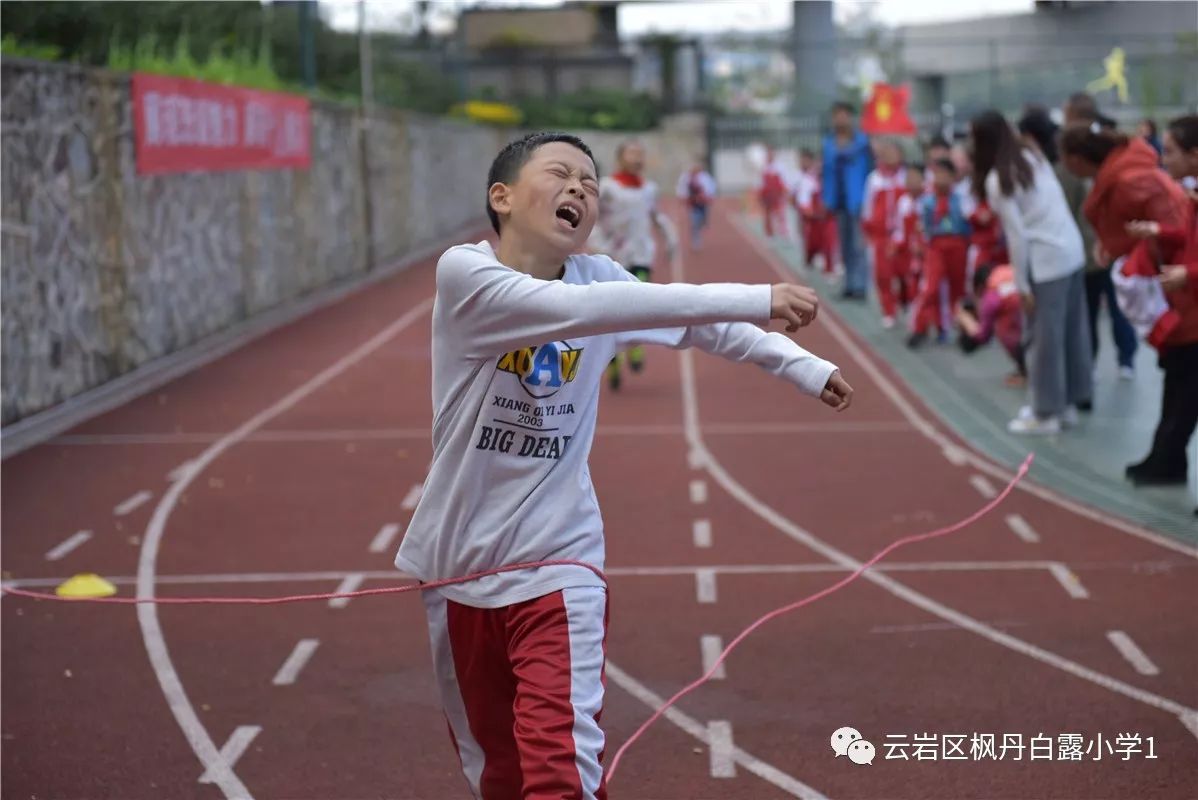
(522, 690)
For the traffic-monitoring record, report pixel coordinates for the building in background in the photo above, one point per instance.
(1058, 48)
(508, 53)
(514, 52)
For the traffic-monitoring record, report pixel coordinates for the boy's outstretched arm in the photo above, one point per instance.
(495, 309)
(773, 352)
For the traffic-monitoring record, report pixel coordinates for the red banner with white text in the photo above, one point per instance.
(184, 125)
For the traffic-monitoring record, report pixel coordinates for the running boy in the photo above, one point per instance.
(628, 216)
(773, 191)
(697, 188)
(521, 335)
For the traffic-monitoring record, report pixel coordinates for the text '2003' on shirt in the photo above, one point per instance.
(517, 365)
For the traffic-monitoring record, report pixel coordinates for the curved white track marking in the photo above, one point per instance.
(215, 767)
(694, 434)
(928, 429)
(742, 495)
(698, 730)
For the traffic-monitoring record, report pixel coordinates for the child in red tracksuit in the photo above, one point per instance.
(772, 193)
(819, 227)
(986, 242)
(946, 260)
(879, 220)
(907, 246)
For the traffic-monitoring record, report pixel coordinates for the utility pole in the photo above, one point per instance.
(307, 43)
(365, 61)
(365, 67)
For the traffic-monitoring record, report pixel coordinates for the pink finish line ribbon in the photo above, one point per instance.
(611, 771)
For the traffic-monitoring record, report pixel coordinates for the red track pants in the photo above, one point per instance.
(522, 690)
(945, 261)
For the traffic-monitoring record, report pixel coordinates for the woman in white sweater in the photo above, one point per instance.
(1048, 257)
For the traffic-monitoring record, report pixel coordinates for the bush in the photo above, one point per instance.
(9, 46)
(601, 109)
(241, 68)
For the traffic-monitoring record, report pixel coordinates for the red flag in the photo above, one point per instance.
(886, 111)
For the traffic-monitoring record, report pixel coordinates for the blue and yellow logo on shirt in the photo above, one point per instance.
(543, 370)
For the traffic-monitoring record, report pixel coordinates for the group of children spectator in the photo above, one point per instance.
(1019, 233)
(929, 241)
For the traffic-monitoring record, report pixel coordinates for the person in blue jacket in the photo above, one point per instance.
(848, 161)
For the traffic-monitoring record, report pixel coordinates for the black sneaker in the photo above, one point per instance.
(1159, 479)
(916, 340)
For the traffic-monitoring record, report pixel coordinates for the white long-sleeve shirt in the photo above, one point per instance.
(1042, 236)
(517, 365)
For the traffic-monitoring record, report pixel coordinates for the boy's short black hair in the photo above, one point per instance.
(916, 168)
(939, 141)
(841, 105)
(515, 155)
(945, 164)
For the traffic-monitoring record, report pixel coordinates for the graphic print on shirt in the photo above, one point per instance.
(543, 370)
(541, 373)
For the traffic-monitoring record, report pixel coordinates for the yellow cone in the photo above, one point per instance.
(86, 585)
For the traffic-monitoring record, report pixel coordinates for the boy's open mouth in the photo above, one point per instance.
(571, 213)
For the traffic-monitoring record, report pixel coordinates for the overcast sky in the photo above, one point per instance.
(697, 17)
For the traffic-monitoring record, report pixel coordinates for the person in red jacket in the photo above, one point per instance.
(819, 226)
(883, 188)
(1130, 187)
(772, 192)
(907, 244)
(1176, 333)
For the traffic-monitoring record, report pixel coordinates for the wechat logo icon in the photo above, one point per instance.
(848, 742)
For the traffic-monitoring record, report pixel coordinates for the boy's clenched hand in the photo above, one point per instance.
(837, 393)
(798, 305)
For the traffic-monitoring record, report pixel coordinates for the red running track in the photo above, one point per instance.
(310, 440)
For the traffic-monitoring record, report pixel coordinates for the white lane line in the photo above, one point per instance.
(234, 749)
(290, 670)
(705, 585)
(955, 455)
(985, 488)
(694, 437)
(694, 459)
(1190, 720)
(175, 694)
(73, 541)
(133, 503)
(412, 497)
(1022, 529)
(1134, 655)
(698, 491)
(696, 729)
(723, 763)
(1068, 580)
(710, 648)
(701, 531)
(932, 433)
(383, 539)
(928, 627)
(179, 472)
(349, 584)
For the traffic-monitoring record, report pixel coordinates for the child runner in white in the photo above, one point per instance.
(521, 336)
(628, 216)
